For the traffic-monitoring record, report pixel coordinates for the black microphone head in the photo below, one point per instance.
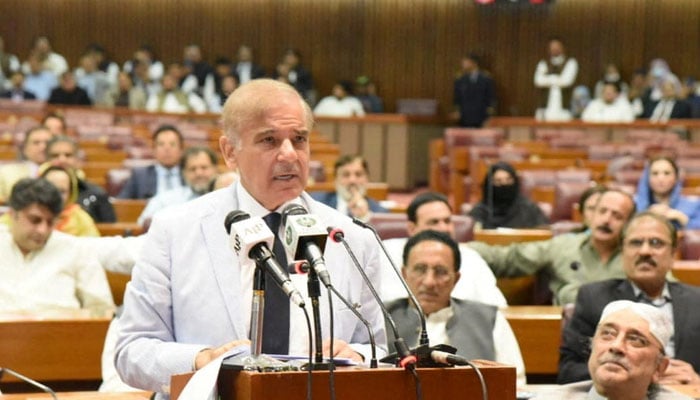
(233, 217)
(336, 234)
(292, 209)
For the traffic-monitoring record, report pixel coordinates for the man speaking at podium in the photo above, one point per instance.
(189, 299)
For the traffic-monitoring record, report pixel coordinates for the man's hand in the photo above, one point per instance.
(679, 373)
(205, 356)
(341, 350)
(358, 205)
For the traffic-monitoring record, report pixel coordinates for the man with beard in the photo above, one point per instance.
(198, 166)
(649, 244)
(555, 77)
(569, 260)
(628, 358)
(351, 177)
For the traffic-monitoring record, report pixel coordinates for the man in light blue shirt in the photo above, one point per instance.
(38, 80)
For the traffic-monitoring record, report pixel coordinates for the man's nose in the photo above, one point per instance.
(287, 151)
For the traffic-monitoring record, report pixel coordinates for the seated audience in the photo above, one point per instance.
(627, 359)
(569, 260)
(659, 73)
(38, 80)
(366, 92)
(68, 92)
(9, 63)
(659, 191)
(431, 267)
(245, 67)
(611, 75)
(16, 90)
(298, 76)
(432, 211)
(72, 219)
(502, 205)
(198, 166)
(611, 106)
(43, 269)
(639, 91)
(351, 177)
(587, 204)
(104, 64)
(669, 106)
(63, 151)
(50, 60)
(216, 100)
(649, 243)
(125, 94)
(211, 93)
(91, 79)
(144, 56)
(195, 66)
(171, 98)
(55, 123)
(165, 174)
(340, 104)
(32, 154)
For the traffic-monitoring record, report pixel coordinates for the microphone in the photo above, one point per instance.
(30, 381)
(251, 238)
(444, 357)
(304, 237)
(406, 359)
(424, 341)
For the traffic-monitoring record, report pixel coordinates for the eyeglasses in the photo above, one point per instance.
(654, 243)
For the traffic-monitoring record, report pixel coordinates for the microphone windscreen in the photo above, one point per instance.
(233, 217)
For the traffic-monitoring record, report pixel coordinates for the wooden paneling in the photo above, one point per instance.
(410, 47)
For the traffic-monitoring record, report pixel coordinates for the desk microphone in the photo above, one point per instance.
(304, 237)
(30, 381)
(406, 359)
(251, 238)
(424, 330)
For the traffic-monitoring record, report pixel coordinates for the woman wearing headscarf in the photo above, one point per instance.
(502, 205)
(659, 191)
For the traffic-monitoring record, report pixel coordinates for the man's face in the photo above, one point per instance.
(199, 172)
(647, 253)
(589, 208)
(625, 356)
(609, 94)
(63, 154)
(17, 80)
(245, 54)
(35, 147)
(435, 215)
(68, 82)
(430, 274)
(556, 48)
(662, 177)
(272, 153)
(339, 92)
(55, 125)
(31, 227)
(168, 149)
(350, 179)
(468, 65)
(610, 216)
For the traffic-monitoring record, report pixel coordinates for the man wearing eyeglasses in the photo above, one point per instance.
(628, 356)
(648, 245)
(431, 262)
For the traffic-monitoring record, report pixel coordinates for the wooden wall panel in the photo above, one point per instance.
(410, 47)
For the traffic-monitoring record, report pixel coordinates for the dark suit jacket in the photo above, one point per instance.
(256, 71)
(331, 200)
(593, 297)
(142, 184)
(681, 110)
(76, 97)
(473, 99)
(25, 94)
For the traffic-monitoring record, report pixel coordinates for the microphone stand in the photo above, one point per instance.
(314, 288)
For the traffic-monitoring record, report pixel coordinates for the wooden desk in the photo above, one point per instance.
(53, 349)
(119, 228)
(356, 384)
(538, 330)
(506, 236)
(79, 396)
(687, 271)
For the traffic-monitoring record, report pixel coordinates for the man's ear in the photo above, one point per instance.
(660, 369)
(228, 151)
(411, 228)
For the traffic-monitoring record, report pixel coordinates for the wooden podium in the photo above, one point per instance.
(355, 383)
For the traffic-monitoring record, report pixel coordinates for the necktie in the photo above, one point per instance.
(276, 322)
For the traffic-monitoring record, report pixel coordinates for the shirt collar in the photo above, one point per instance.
(247, 203)
(441, 316)
(658, 302)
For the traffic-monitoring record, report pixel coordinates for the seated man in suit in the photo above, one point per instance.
(198, 166)
(670, 106)
(45, 270)
(649, 244)
(17, 92)
(627, 360)
(431, 262)
(570, 260)
(165, 174)
(351, 177)
(32, 153)
(432, 211)
(189, 297)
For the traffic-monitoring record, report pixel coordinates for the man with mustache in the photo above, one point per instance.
(351, 177)
(649, 243)
(569, 260)
(431, 262)
(628, 356)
